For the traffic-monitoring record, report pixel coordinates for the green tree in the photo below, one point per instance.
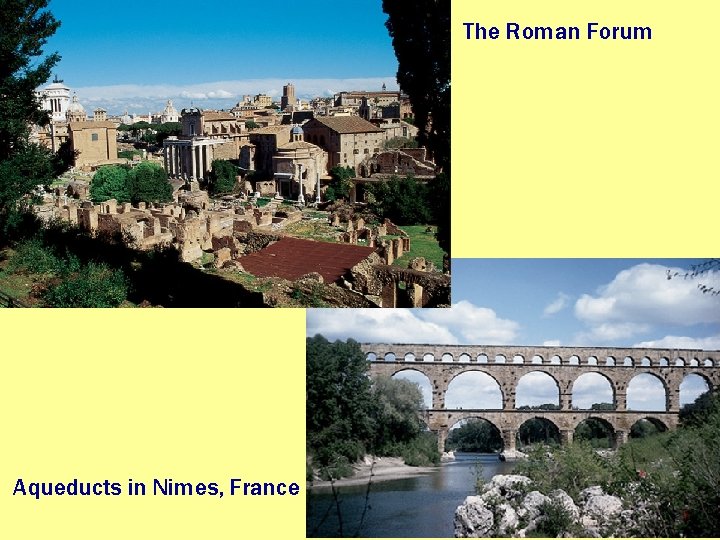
(110, 182)
(148, 183)
(475, 435)
(222, 177)
(404, 201)
(94, 285)
(339, 419)
(23, 165)
(400, 142)
(397, 403)
(421, 39)
(251, 124)
(340, 185)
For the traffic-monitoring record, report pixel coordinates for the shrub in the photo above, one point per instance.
(95, 285)
(33, 257)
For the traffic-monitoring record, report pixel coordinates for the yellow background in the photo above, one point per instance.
(559, 149)
(586, 148)
(193, 395)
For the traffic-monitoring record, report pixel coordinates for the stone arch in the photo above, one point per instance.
(389, 357)
(592, 361)
(462, 391)
(690, 387)
(537, 359)
(610, 361)
(446, 357)
(574, 360)
(541, 378)
(645, 361)
(409, 357)
(658, 424)
(482, 358)
(500, 359)
(708, 362)
(479, 417)
(679, 361)
(555, 360)
(694, 362)
(628, 361)
(421, 379)
(551, 431)
(664, 362)
(597, 428)
(587, 390)
(371, 357)
(464, 357)
(635, 403)
(428, 357)
(518, 359)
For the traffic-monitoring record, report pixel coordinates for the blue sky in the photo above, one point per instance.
(138, 53)
(567, 302)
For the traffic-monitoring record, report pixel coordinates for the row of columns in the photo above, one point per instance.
(672, 399)
(509, 437)
(187, 159)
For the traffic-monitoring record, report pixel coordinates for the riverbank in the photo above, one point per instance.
(376, 469)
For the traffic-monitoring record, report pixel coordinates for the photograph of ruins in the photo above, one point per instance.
(285, 196)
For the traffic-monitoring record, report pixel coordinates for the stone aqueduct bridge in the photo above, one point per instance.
(506, 365)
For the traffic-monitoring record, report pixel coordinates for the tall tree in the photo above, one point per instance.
(421, 39)
(25, 28)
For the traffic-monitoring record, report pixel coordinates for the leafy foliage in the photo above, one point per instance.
(95, 286)
(400, 142)
(110, 182)
(348, 415)
(147, 182)
(671, 478)
(421, 39)
(222, 177)
(404, 201)
(571, 467)
(340, 184)
(475, 436)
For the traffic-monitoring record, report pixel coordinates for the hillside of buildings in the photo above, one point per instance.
(328, 202)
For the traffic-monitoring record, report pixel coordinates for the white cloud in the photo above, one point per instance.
(551, 343)
(556, 305)
(710, 343)
(377, 325)
(644, 294)
(536, 388)
(473, 324)
(217, 94)
(642, 297)
(473, 390)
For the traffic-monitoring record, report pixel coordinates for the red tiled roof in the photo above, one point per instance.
(348, 124)
(291, 258)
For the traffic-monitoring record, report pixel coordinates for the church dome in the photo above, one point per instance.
(75, 106)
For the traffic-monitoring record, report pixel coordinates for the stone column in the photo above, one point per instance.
(621, 437)
(621, 401)
(508, 436)
(442, 435)
(438, 396)
(565, 401)
(566, 436)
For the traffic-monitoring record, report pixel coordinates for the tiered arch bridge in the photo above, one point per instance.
(508, 364)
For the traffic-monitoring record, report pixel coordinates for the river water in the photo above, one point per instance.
(418, 507)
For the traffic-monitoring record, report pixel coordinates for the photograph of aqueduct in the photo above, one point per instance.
(439, 366)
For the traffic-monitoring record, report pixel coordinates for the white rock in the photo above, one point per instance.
(473, 519)
(508, 520)
(531, 504)
(566, 501)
